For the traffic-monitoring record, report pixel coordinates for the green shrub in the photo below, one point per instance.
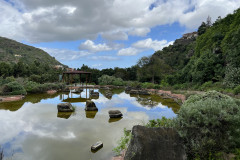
(110, 80)
(232, 77)
(36, 78)
(14, 88)
(206, 85)
(236, 90)
(6, 80)
(209, 123)
(32, 87)
(118, 82)
(163, 122)
(147, 85)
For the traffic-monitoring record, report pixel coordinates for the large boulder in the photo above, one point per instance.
(65, 107)
(90, 106)
(115, 114)
(155, 143)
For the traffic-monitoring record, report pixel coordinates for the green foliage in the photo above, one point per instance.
(13, 88)
(123, 142)
(33, 87)
(147, 85)
(12, 51)
(209, 123)
(163, 122)
(110, 80)
(236, 90)
(232, 76)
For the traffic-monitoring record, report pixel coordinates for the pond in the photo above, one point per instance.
(33, 128)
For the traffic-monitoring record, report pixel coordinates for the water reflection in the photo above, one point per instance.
(114, 119)
(91, 114)
(35, 120)
(64, 115)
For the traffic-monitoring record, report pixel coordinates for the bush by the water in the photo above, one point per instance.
(33, 87)
(209, 123)
(163, 122)
(13, 88)
(110, 80)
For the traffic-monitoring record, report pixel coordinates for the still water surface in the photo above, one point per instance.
(33, 129)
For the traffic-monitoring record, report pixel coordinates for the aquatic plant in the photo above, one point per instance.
(123, 142)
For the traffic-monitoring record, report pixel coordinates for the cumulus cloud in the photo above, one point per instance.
(139, 32)
(108, 58)
(128, 51)
(119, 35)
(66, 54)
(143, 45)
(60, 20)
(151, 44)
(92, 47)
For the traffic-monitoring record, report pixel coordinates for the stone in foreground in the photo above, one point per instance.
(97, 146)
(65, 107)
(90, 106)
(155, 143)
(115, 114)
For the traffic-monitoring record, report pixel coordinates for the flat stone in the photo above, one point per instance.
(65, 107)
(115, 114)
(90, 106)
(155, 143)
(97, 146)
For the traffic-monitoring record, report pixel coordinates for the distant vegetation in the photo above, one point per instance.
(210, 61)
(14, 52)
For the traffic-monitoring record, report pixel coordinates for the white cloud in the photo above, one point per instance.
(139, 31)
(151, 44)
(97, 65)
(143, 45)
(128, 51)
(108, 58)
(66, 54)
(92, 47)
(119, 35)
(60, 20)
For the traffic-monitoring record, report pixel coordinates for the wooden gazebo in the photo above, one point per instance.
(70, 75)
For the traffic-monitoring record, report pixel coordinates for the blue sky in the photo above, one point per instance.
(105, 33)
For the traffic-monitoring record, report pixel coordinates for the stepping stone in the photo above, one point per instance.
(115, 114)
(97, 146)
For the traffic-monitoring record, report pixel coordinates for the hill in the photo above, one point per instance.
(13, 51)
(213, 56)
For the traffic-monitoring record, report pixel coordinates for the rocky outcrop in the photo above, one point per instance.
(90, 106)
(115, 114)
(65, 107)
(155, 143)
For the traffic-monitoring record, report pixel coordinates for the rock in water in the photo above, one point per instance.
(155, 143)
(115, 114)
(97, 146)
(90, 106)
(65, 107)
